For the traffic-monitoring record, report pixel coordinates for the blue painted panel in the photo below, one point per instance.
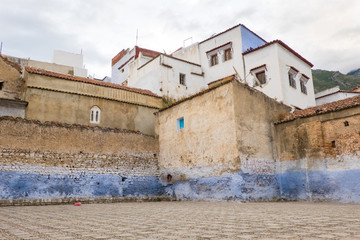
(250, 40)
(14, 185)
(337, 186)
(293, 185)
(239, 186)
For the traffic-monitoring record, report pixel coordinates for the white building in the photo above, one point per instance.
(273, 68)
(120, 63)
(74, 60)
(63, 62)
(333, 94)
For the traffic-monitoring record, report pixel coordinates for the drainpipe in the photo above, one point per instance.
(244, 68)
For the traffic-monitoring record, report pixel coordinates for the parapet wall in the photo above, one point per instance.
(54, 160)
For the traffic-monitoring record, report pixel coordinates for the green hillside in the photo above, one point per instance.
(327, 79)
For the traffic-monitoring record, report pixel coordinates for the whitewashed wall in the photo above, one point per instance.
(189, 53)
(278, 61)
(161, 76)
(118, 76)
(222, 69)
(335, 97)
(291, 95)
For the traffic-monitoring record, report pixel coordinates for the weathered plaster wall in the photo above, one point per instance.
(320, 157)
(208, 139)
(225, 149)
(254, 115)
(52, 99)
(13, 84)
(50, 160)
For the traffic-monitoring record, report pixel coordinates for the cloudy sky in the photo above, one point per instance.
(325, 32)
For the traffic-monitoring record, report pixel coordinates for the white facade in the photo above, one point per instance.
(278, 62)
(118, 76)
(71, 59)
(167, 76)
(234, 51)
(120, 64)
(332, 95)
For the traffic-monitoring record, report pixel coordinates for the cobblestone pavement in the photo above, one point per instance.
(183, 220)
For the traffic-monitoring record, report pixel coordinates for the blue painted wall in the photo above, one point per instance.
(240, 186)
(250, 40)
(15, 185)
(337, 186)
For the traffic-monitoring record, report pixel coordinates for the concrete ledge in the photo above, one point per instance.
(59, 201)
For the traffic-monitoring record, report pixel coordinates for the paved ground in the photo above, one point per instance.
(183, 220)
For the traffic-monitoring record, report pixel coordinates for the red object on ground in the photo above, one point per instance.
(77, 204)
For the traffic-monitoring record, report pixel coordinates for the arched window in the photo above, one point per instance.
(95, 113)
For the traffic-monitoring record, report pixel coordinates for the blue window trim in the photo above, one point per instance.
(180, 124)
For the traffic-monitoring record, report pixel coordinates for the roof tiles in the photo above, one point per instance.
(322, 109)
(89, 81)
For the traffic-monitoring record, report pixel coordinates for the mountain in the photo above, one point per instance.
(324, 79)
(355, 72)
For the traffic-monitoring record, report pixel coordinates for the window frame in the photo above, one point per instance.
(263, 79)
(180, 123)
(182, 79)
(292, 73)
(214, 60)
(259, 70)
(303, 81)
(228, 56)
(95, 115)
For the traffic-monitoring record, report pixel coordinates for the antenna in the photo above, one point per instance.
(137, 36)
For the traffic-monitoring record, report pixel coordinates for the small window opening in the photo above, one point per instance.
(333, 145)
(303, 87)
(227, 54)
(122, 70)
(292, 82)
(180, 123)
(182, 79)
(346, 123)
(95, 114)
(261, 77)
(1, 85)
(214, 60)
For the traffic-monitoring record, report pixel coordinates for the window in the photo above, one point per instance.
(292, 74)
(182, 79)
(292, 82)
(95, 114)
(303, 80)
(303, 87)
(261, 77)
(1, 85)
(122, 70)
(180, 123)
(213, 60)
(227, 54)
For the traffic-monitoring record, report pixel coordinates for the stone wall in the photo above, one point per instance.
(53, 160)
(12, 82)
(56, 99)
(320, 157)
